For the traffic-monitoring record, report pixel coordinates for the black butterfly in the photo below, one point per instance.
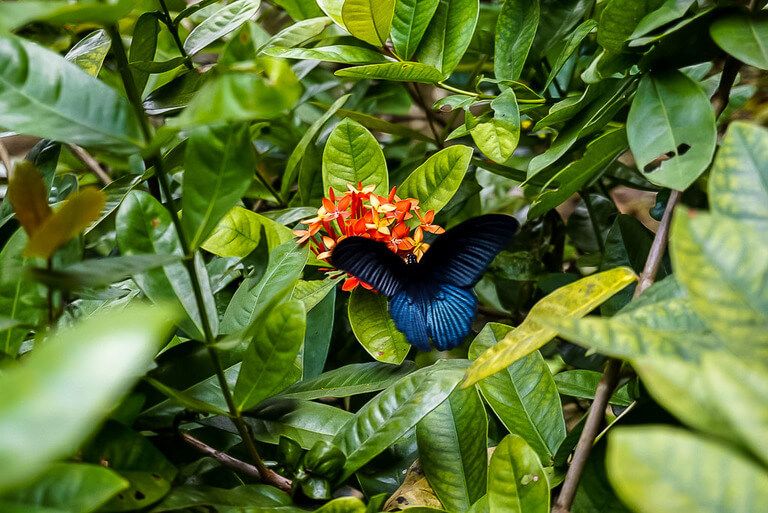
(432, 298)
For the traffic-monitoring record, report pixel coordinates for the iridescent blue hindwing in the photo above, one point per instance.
(449, 315)
(408, 313)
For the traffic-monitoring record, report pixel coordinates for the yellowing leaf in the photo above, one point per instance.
(573, 300)
(74, 216)
(368, 20)
(28, 195)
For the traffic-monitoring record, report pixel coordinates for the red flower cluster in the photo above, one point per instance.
(362, 213)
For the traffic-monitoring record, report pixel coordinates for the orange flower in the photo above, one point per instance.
(419, 246)
(399, 239)
(427, 223)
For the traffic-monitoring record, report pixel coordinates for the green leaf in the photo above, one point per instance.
(618, 21)
(332, 8)
(599, 154)
(571, 45)
(352, 379)
(374, 328)
(299, 33)
(524, 396)
(270, 355)
(143, 46)
(721, 263)
(344, 54)
(396, 71)
(222, 22)
(671, 117)
(738, 182)
(20, 298)
(449, 34)
(515, 30)
(743, 36)
(498, 138)
(368, 20)
(42, 94)
(516, 481)
(573, 300)
(353, 155)
(144, 226)
(136, 459)
(317, 340)
(393, 412)
(304, 422)
(380, 125)
(409, 23)
(453, 450)
(187, 401)
(436, 181)
(650, 469)
(219, 163)
(582, 384)
(89, 53)
(300, 9)
(191, 497)
(312, 292)
(71, 487)
(292, 166)
(239, 233)
(60, 12)
(666, 13)
(66, 387)
(253, 297)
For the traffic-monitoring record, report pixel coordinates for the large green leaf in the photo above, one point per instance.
(220, 23)
(270, 355)
(312, 292)
(143, 227)
(449, 34)
(516, 480)
(71, 487)
(671, 118)
(392, 413)
(409, 24)
(573, 300)
(368, 20)
(59, 12)
(353, 155)
(738, 183)
(515, 29)
(497, 138)
(723, 265)
(524, 396)
(453, 450)
(191, 497)
(143, 46)
(436, 181)
(332, 8)
(239, 233)
(304, 422)
(218, 169)
(255, 297)
(44, 95)
(374, 328)
(743, 36)
(397, 71)
(66, 387)
(317, 339)
(659, 469)
(352, 379)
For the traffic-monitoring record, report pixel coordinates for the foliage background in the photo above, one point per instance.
(167, 346)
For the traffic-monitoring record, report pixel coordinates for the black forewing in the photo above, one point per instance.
(460, 255)
(371, 262)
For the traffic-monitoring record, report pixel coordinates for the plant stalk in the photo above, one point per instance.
(174, 30)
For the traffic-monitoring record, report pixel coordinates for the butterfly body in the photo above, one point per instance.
(433, 298)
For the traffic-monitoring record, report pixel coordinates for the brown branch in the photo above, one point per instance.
(237, 465)
(91, 163)
(610, 378)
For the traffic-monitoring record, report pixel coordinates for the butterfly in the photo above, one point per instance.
(431, 298)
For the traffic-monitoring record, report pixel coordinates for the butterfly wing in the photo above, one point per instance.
(460, 255)
(407, 311)
(449, 315)
(371, 262)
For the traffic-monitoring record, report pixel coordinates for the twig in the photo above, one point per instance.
(5, 159)
(611, 374)
(415, 93)
(174, 30)
(91, 163)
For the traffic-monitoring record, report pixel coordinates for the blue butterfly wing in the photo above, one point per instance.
(372, 262)
(449, 315)
(408, 312)
(460, 255)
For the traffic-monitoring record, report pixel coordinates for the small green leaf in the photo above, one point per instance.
(516, 480)
(571, 45)
(515, 30)
(453, 450)
(743, 36)
(353, 155)
(352, 379)
(671, 118)
(304, 422)
(368, 20)
(239, 233)
(498, 138)
(582, 384)
(436, 181)
(449, 34)
(220, 23)
(299, 33)
(143, 46)
(89, 53)
(374, 328)
(218, 169)
(343, 54)
(650, 469)
(191, 497)
(409, 23)
(396, 71)
(67, 386)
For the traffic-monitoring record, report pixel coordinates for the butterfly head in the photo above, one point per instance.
(410, 259)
